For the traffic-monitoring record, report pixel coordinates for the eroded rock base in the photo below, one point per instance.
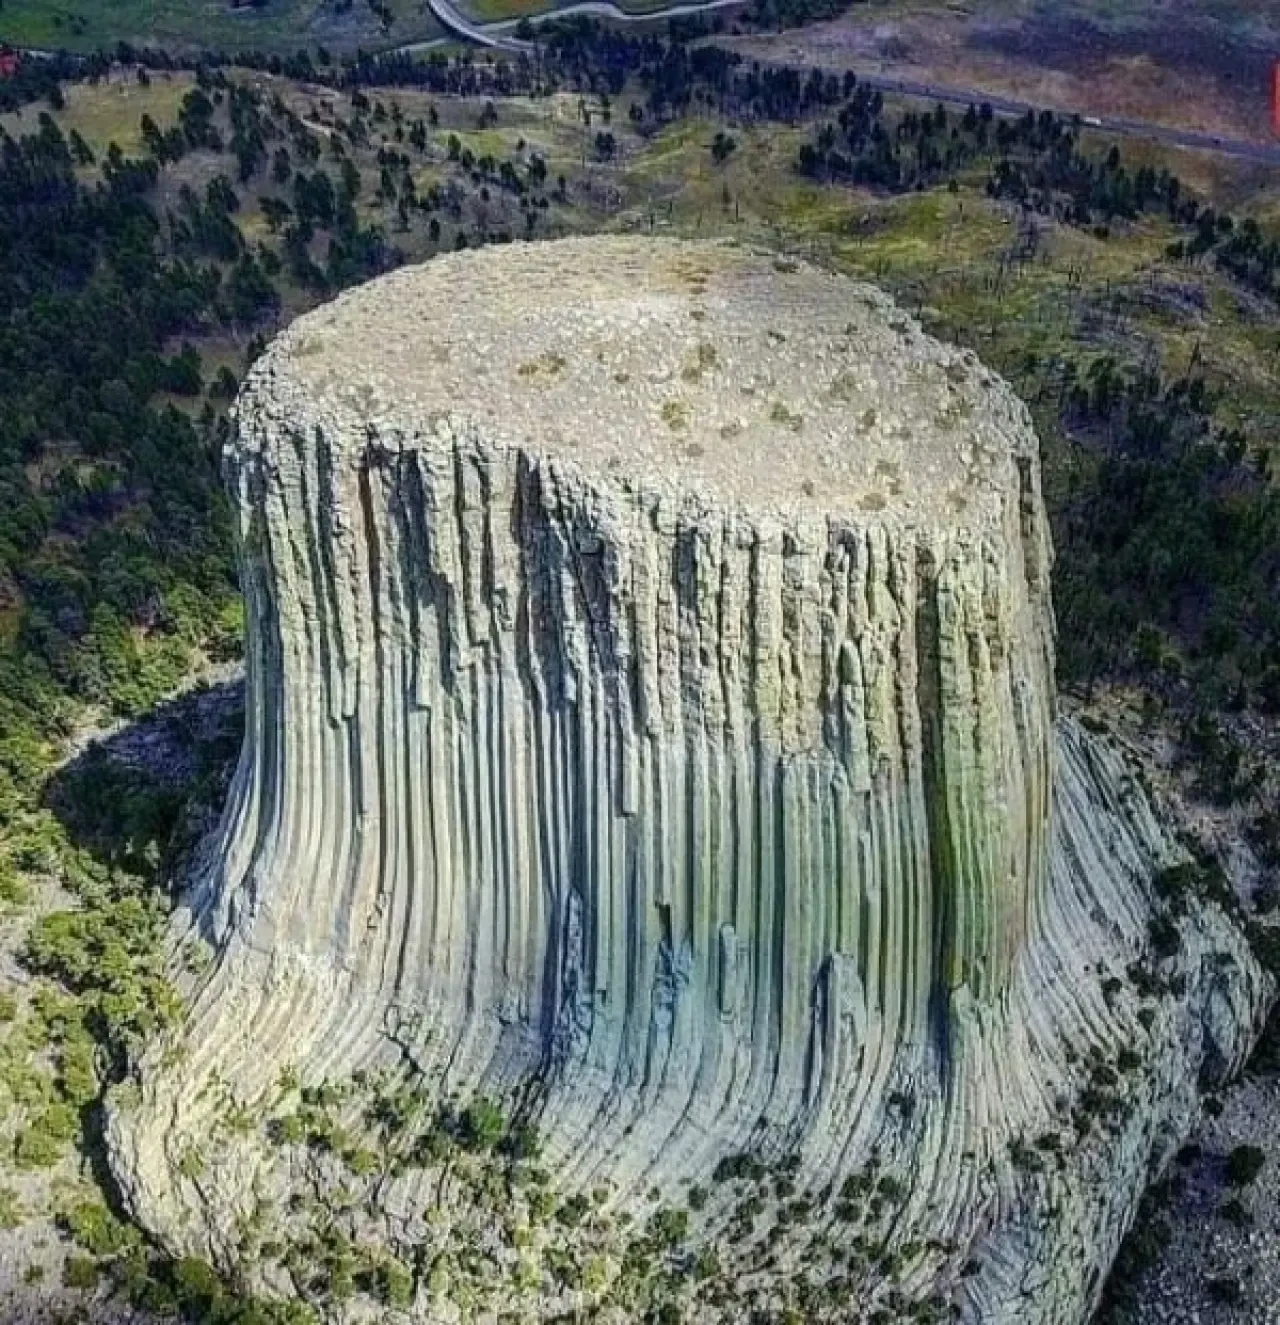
(999, 1177)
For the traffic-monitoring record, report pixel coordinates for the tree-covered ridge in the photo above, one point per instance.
(1170, 553)
(1038, 162)
(117, 557)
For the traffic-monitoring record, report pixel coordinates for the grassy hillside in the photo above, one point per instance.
(183, 25)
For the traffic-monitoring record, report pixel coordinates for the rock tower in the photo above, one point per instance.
(651, 727)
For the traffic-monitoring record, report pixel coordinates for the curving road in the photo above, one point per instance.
(483, 34)
(499, 36)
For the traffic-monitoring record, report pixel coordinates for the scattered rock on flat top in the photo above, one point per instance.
(697, 367)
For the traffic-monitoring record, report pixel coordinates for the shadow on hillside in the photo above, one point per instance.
(138, 797)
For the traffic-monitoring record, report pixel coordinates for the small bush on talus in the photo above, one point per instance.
(80, 1272)
(739, 1168)
(1244, 1164)
(1204, 880)
(1165, 941)
(41, 1144)
(573, 1210)
(393, 1284)
(483, 1125)
(11, 1211)
(93, 1227)
(668, 1227)
(523, 1143)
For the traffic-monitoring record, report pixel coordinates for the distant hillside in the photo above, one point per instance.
(265, 25)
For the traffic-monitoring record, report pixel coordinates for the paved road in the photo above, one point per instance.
(483, 34)
(499, 35)
(1264, 153)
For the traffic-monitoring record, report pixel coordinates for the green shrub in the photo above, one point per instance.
(286, 1131)
(11, 1212)
(1244, 1164)
(80, 1272)
(523, 1143)
(572, 1210)
(14, 889)
(483, 1124)
(42, 1143)
(77, 1077)
(361, 1161)
(739, 1168)
(394, 1284)
(197, 1287)
(1165, 939)
(668, 1227)
(94, 1228)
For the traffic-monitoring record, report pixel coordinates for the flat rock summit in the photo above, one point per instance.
(685, 369)
(658, 882)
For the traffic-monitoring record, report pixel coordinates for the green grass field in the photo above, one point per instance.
(111, 112)
(279, 25)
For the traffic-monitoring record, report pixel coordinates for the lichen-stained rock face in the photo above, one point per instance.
(650, 726)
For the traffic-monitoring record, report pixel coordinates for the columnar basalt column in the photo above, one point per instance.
(650, 719)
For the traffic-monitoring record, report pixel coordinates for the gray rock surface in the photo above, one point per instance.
(651, 724)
